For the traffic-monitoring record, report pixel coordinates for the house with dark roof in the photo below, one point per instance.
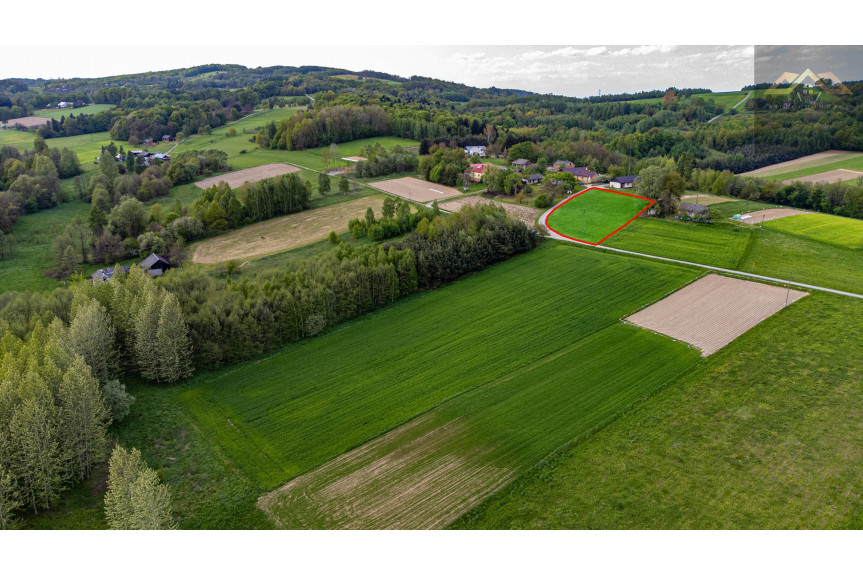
(167, 138)
(582, 175)
(106, 274)
(155, 265)
(522, 164)
(533, 179)
(623, 182)
(693, 211)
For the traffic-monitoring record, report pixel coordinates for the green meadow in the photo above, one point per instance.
(834, 230)
(57, 113)
(594, 214)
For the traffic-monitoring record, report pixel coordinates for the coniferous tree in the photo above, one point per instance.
(84, 419)
(146, 343)
(135, 499)
(174, 348)
(10, 500)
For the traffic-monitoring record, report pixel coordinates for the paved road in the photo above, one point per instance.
(555, 236)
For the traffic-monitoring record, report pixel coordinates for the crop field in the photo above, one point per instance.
(316, 400)
(706, 199)
(813, 161)
(593, 215)
(844, 232)
(765, 434)
(58, 113)
(721, 245)
(852, 162)
(768, 215)
(828, 177)
(427, 473)
(28, 121)
(285, 233)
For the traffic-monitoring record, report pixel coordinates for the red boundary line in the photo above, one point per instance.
(629, 221)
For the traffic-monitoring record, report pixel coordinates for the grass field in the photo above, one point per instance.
(59, 113)
(764, 435)
(772, 250)
(591, 216)
(721, 245)
(844, 232)
(87, 146)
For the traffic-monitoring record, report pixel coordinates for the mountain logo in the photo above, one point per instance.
(827, 81)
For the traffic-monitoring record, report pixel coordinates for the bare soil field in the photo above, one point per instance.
(355, 159)
(416, 190)
(283, 233)
(706, 200)
(251, 175)
(29, 121)
(405, 479)
(524, 213)
(829, 177)
(713, 311)
(769, 214)
(813, 160)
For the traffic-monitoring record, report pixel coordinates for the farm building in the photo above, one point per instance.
(533, 179)
(623, 182)
(155, 265)
(694, 211)
(106, 274)
(167, 138)
(522, 164)
(582, 175)
(475, 151)
(560, 165)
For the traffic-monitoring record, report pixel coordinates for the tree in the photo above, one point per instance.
(334, 238)
(344, 185)
(10, 499)
(334, 154)
(323, 184)
(91, 335)
(232, 131)
(69, 165)
(129, 218)
(117, 400)
(650, 184)
(97, 220)
(135, 498)
(174, 348)
(146, 345)
(84, 418)
(389, 208)
(108, 166)
(526, 150)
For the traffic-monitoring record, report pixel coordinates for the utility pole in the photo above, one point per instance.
(584, 221)
(787, 293)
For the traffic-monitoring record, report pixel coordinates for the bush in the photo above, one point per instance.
(541, 202)
(117, 400)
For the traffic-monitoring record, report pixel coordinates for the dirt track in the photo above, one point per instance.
(829, 177)
(416, 190)
(714, 311)
(769, 214)
(251, 175)
(524, 213)
(707, 200)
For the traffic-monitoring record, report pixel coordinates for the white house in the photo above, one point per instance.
(475, 150)
(623, 182)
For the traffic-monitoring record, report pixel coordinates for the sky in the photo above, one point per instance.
(564, 70)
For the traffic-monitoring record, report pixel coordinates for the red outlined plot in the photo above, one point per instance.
(574, 196)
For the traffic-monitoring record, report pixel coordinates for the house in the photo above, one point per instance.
(167, 138)
(161, 156)
(65, 105)
(582, 175)
(155, 265)
(149, 142)
(561, 164)
(533, 179)
(623, 182)
(522, 164)
(693, 211)
(475, 151)
(475, 172)
(106, 274)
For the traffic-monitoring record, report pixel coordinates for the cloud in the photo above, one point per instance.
(643, 50)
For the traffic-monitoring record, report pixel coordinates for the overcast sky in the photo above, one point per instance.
(566, 70)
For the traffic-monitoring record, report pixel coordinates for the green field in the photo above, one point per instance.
(87, 146)
(764, 435)
(57, 113)
(721, 245)
(844, 232)
(594, 214)
(854, 163)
